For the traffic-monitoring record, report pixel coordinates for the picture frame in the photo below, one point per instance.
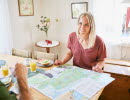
(26, 7)
(78, 8)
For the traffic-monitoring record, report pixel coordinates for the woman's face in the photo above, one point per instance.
(83, 26)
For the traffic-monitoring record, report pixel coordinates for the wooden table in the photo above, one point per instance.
(43, 44)
(11, 60)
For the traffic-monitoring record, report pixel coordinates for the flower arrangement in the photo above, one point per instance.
(44, 24)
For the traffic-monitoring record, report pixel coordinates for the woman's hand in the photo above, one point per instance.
(98, 67)
(67, 57)
(58, 62)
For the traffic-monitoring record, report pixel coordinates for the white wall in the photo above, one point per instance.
(25, 33)
(22, 25)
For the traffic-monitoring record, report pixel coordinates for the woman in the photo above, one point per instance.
(87, 49)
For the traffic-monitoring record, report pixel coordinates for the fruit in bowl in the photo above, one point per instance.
(48, 42)
(44, 62)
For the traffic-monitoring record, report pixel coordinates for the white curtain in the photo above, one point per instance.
(108, 18)
(5, 28)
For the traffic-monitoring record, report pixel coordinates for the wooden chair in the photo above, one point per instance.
(44, 55)
(21, 53)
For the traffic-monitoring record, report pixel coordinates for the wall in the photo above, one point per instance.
(22, 25)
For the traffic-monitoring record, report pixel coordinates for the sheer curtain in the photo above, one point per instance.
(5, 28)
(108, 18)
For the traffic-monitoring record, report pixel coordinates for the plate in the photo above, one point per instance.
(1, 75)
(40, 65)
(44, 44)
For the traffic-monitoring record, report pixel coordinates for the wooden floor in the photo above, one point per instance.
(119, 89)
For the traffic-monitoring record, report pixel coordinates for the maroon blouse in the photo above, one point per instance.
(86, 58)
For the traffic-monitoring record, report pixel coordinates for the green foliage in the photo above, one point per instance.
(44, 24)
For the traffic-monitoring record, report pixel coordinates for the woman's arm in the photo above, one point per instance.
(99, 66)
(67, 57)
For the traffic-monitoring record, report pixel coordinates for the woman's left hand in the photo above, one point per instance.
(97, 68)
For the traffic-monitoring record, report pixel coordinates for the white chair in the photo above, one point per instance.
(44, 55)
(21, 53)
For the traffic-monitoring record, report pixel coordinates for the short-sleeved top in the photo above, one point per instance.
(86, 58)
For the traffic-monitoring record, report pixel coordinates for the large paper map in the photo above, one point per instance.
(81, 83)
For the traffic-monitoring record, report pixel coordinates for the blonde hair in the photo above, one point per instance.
(92, 34)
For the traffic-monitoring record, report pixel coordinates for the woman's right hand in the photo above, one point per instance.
(58, 62)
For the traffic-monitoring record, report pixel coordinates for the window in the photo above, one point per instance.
(109, 15)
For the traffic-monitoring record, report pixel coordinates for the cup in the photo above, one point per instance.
(33, 66)
(26, 61)
(5, 70)
(2, 62)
